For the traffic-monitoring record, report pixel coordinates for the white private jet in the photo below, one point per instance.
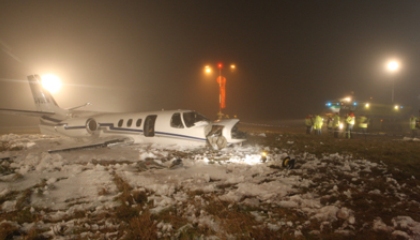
(175, 127)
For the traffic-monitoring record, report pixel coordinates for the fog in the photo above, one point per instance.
(291, 57)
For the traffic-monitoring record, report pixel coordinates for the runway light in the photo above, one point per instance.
(51, 83)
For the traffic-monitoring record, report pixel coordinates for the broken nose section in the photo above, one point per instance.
(215, 137)
(217, 142)
(225, 133)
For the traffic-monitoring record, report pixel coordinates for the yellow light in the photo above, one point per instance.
(340, 125)
(396, 107)
(51, 83)
(393, 66)
(263, 156)
(233, 66)
(207, 69)
(347, 99)
(367, 105)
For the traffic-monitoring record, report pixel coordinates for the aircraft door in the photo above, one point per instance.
(149, 126)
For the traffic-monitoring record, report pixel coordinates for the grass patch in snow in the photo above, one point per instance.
(382, 191)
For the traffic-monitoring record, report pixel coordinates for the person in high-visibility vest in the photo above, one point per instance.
(336, 124)
(363, 124)
(318, 124)
(350, 120)
(330, 124)
(413, 122)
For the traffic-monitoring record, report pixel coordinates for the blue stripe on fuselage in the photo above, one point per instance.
(112, 129)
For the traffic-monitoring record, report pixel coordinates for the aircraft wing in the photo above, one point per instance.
(27, 113)
(97, 143)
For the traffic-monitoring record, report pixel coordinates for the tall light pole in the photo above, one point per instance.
(221, 80)
(393, 66)
(222, 88)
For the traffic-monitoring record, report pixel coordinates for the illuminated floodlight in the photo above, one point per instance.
(347, 99)
(207, 69)
(393, 66)
(51, 83)
(396, 107)
(367, 105)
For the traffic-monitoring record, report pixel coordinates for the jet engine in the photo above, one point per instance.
(78, 127)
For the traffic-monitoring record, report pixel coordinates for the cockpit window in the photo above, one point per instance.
(176, 121)
(190, 118)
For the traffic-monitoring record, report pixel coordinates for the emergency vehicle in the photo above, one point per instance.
(381, 117)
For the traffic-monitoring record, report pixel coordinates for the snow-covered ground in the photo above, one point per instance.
(76, 194)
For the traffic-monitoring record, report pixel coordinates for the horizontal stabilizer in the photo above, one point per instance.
(84, 105)
(27, 113)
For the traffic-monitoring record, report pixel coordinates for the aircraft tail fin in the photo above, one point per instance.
(43, 99)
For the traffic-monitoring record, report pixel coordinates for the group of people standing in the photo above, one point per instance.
(336, 124)
(314, 123)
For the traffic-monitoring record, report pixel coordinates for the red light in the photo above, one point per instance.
(220, 65)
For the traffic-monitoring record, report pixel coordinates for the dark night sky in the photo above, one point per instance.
(291, 56)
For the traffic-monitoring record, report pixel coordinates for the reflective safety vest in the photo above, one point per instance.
(350, 120)
(363, 122)
(413, 121)
(318, 122)
(330, 123)
(336, 121)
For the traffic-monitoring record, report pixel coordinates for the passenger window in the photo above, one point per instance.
(129, 122)
(138, 123)
(120, 123)
(176, 121)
